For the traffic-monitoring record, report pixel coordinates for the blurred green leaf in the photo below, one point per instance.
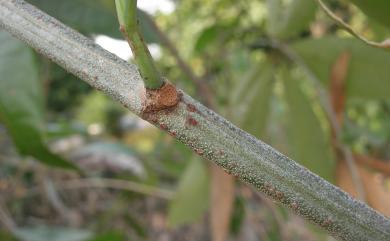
(238, 215)
(65, 91)
(207, 37)
(111, 236)
(21, 101)
(148, 32)
(308, 142)
(299, 14)
(45, 233)
(138, 228)
(285, 22)
(92, 17)
(251, 99)
(191, 199)
(87, 16)
(5, 236)
(214, 34)
(368, 74)
(275, 14)
(375, 9)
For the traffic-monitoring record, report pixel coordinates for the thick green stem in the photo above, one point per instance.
(204, 131)
(127, 15)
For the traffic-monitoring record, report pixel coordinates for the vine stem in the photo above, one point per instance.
(198, 127)
(384, 45)
(127, 16)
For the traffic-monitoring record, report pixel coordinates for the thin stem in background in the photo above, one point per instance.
(385, 44)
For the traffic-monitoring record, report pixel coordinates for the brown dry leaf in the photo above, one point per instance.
(222, 198)
(338, 76)
(377, 194)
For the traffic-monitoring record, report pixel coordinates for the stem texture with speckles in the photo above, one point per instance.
(207, 133)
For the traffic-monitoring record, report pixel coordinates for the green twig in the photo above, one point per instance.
(385, 44)
(127, 15)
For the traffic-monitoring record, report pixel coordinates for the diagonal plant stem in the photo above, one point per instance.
(385, 44)
(127, 15)
(204, 131)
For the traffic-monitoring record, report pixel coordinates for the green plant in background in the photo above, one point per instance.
(260, 59)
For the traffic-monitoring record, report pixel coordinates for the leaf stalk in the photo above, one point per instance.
(127, 16)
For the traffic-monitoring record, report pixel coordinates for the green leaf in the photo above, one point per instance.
(251, 99)
(87, 16)
(238, 215)
(292, 19)
(21, 100)
(191, 199)
(275, 14)
(213, 34)
(148, 32)
(309, 145)
(368, 73)
(45, 233)
(207, 37)
(137, 227)
(376, 9)
(92, 17)
(6, 236)
(111, 236)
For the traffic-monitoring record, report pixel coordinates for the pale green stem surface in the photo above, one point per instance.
(207, 133)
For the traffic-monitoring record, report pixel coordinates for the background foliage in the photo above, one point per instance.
(266, 65)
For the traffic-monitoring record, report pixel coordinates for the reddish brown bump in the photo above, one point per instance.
(279, 195)
(199, 151)
(192, 122)
(122, 29)
(294, 206)
(191, 108)
(163, 126)
(163, 98)
(172, 133)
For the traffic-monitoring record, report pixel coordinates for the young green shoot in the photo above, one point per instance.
(127, 16)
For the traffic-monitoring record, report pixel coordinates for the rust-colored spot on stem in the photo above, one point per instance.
(192, 122)
(191, 108)
(163, 126)
(199, 151)
(160, 99)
